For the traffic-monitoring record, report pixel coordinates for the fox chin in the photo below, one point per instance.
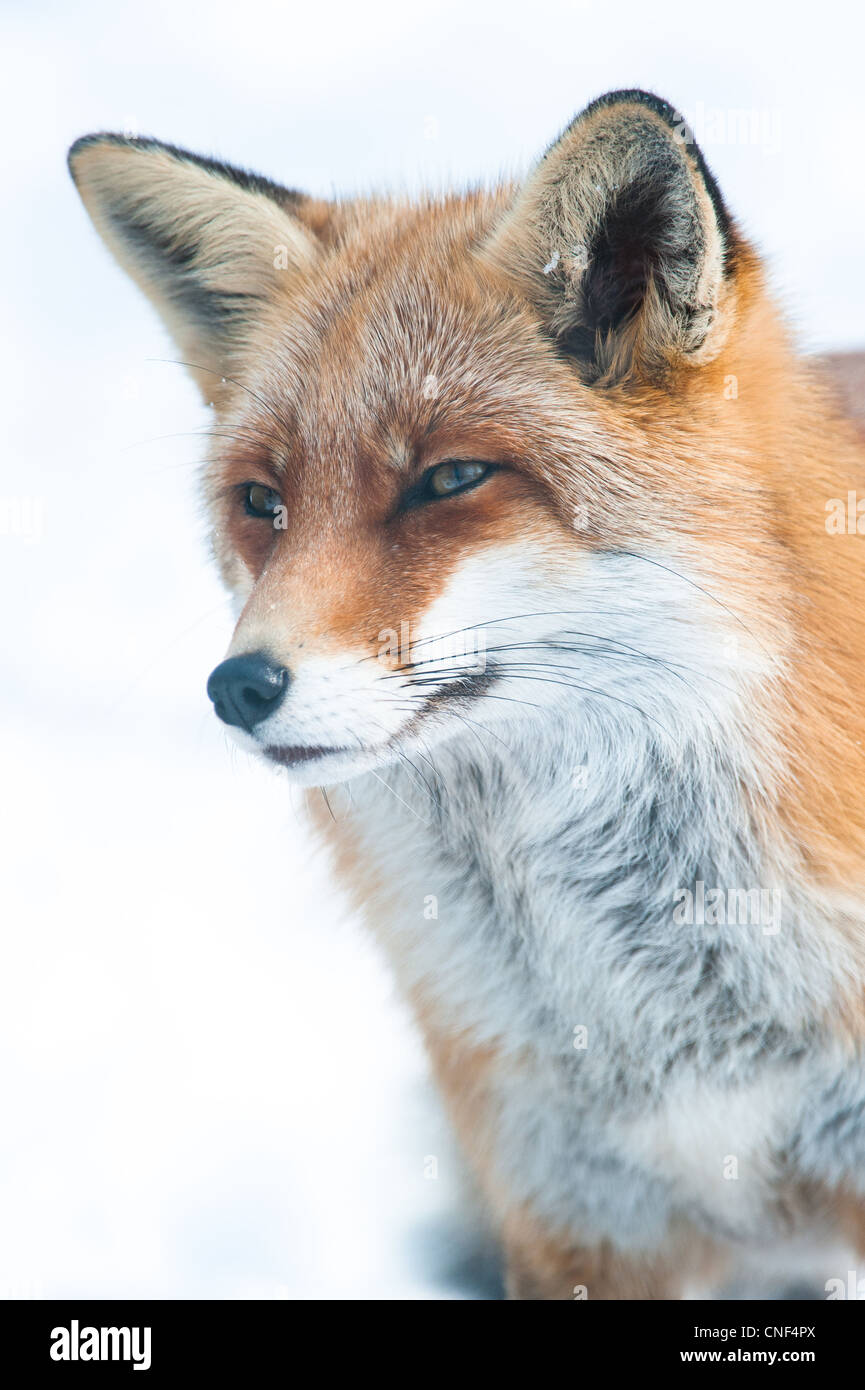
(529, 509)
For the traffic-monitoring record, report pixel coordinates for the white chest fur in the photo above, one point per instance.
(663, 1067)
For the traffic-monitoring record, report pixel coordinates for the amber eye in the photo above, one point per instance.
(261, 501)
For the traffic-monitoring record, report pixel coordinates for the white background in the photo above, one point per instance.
(207, 1087)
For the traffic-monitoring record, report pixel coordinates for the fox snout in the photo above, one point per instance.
(247, 689)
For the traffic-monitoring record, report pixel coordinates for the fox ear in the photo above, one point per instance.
(209, 244)
(622, 241)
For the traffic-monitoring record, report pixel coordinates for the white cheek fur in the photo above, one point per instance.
(558, 630)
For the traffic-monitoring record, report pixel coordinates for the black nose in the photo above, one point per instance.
(246, 689)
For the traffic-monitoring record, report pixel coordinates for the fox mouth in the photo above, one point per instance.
(462, 689)
(468, 686)
(290, 755)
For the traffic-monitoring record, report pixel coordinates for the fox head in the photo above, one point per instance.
(475, 458)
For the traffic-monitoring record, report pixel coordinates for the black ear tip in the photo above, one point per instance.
(625, 97)
(636, 96)
(88, 142)
(75, 149)
(675, 119)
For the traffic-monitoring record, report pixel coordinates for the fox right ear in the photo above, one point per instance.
(621, 240)
(209, 244)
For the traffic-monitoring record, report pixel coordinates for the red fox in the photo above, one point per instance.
(548, 551)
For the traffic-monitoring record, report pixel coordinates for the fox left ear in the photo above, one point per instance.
(621, 239)
(213, 247)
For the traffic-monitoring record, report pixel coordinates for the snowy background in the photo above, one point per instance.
(207, 1086)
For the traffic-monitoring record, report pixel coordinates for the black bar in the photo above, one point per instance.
(238, 1339)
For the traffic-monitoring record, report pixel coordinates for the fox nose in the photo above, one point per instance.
(246, 689)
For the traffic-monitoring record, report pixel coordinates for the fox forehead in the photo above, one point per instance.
(399, 343)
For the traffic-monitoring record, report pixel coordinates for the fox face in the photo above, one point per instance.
(466, 456)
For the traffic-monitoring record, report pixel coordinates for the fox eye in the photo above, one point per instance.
(260, 500)
(455, 477)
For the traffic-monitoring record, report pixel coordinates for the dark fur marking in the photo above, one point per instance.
(288, 198)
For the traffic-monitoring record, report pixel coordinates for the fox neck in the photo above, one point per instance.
(515, 881)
